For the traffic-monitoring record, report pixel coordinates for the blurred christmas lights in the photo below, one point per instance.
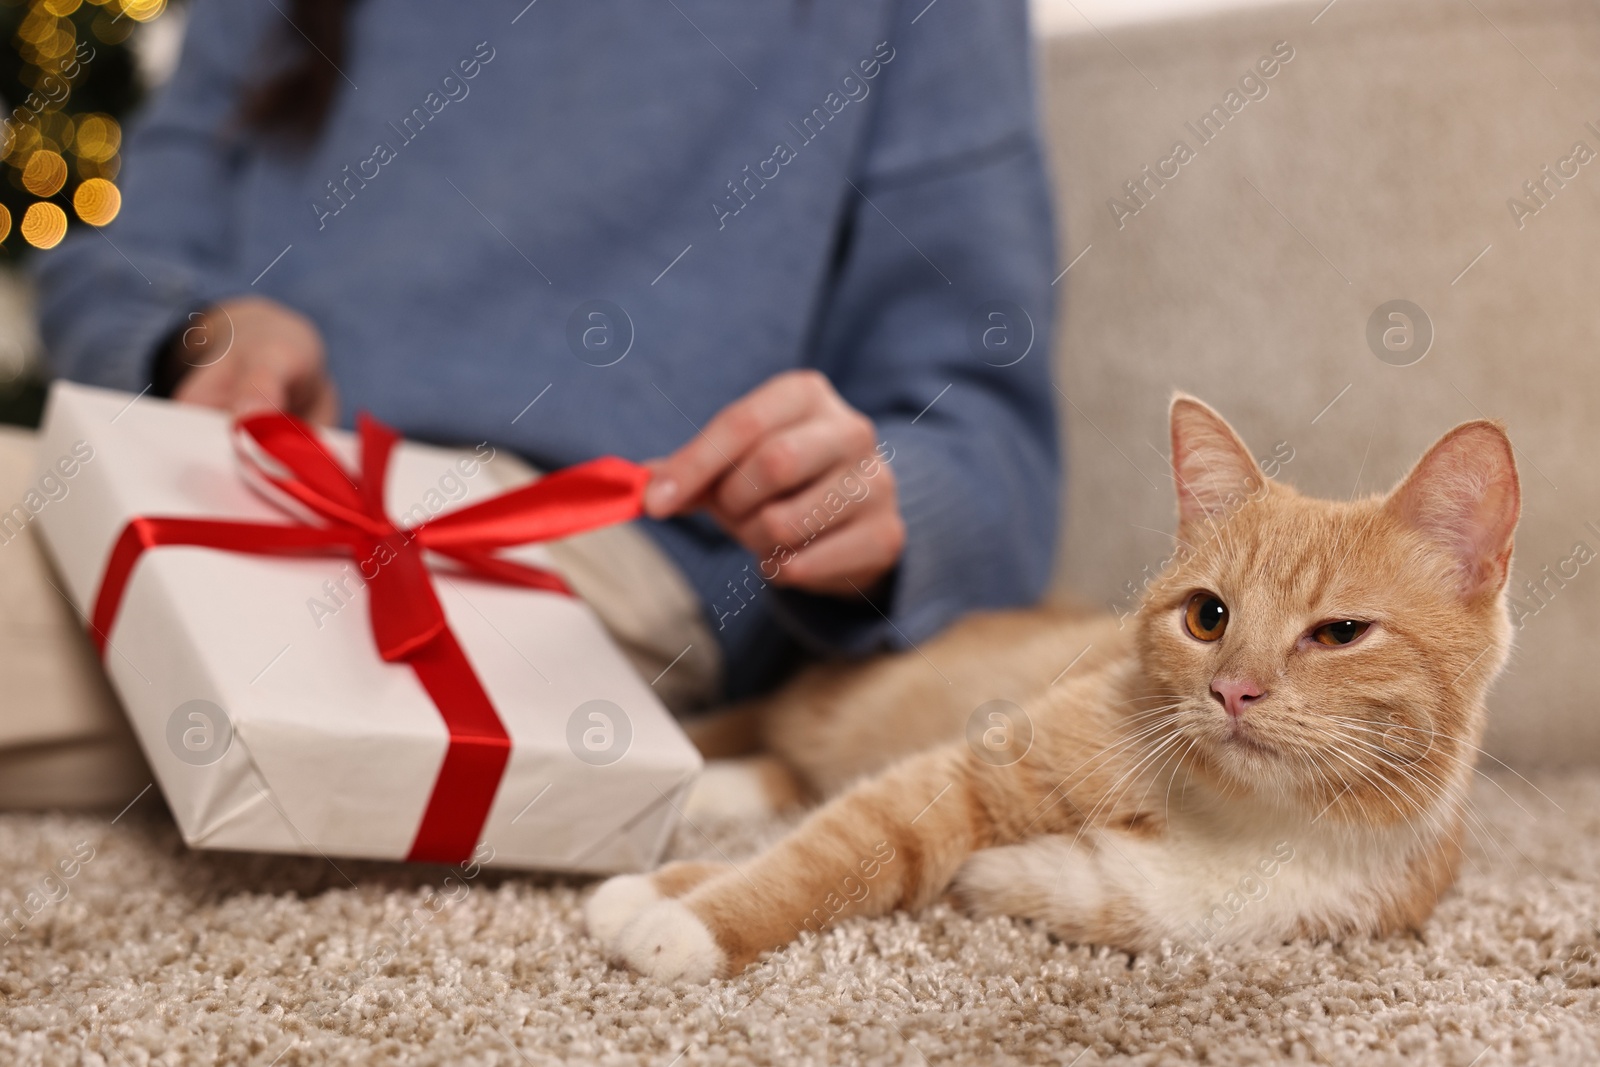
(65, 74)
(44, 225)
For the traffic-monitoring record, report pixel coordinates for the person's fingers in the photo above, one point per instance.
(324, 410)
(204, 342)
(264, 384)
(686, 474)
(801, 517)
(306, 384)
(847, 558)
(788, 460)
(211, 387)
(251, 354)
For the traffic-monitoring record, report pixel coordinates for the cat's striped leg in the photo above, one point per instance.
(894, 841)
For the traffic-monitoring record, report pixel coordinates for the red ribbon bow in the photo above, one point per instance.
(408, 623)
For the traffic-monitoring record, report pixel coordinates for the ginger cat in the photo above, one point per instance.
(1296, 706)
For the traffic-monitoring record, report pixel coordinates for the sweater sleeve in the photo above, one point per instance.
(937, 326)
(109, 298)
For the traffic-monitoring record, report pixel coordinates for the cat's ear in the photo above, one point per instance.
(1214, 469)
(1464, 496)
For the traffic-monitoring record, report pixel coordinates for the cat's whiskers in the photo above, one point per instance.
(1267, 759)
(1302, 738)
(1466, 744)
(1488, 755)
(1432, 787)
(1157, 776)
(1089, 823)
(1188, 749)
(1151, 696)
(1408, 821)
(1376, 783)
(1119, 786)
(1104, 753)
(1149, 722)
(1361, 770)
(1146, 713)
(1305, 743)
(1130, 778)
(1087, 818)
(1326, 778)
(1433, 752)
(1422, 776)
(1472, 821)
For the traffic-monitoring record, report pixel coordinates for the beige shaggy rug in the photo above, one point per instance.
(150, 953)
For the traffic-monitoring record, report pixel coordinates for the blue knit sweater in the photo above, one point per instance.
(635, 213)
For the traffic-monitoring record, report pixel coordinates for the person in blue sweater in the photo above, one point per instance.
(797, 255)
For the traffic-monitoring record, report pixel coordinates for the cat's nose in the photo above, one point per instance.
(1234, 693)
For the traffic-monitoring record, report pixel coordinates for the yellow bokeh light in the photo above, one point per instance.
(37, 27)
(108, 170)
(57, 44)
(143, 10)
(97, 138)
(97, 201)
(45, 173)
(56, 126)
(61, 8)
(25, 142)
(5, 223)
(44, 225)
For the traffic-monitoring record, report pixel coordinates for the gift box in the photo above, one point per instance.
(343, 644)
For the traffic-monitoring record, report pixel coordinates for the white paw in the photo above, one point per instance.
(727, 790)
(615, 904)
(667, 941)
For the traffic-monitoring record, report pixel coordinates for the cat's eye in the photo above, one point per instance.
(1205, 616)
(1339, 633)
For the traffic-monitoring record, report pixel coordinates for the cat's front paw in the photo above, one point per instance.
(669, 942)
(615, 904)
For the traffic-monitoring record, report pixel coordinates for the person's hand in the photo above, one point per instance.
(250, 353)
(792, 471)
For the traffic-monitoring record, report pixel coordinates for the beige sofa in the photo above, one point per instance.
(1376, 167)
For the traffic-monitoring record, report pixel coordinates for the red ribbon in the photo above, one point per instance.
(408, 622)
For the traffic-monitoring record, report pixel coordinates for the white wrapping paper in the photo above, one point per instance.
(258, 694)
